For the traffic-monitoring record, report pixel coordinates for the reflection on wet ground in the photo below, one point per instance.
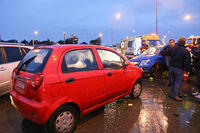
(153, 112)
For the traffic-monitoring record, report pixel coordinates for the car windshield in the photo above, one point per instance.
(152, 50)
(153, 43)
(149, 51)
(38, 63)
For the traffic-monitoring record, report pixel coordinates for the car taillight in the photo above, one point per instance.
(13, 76)
(36, 80)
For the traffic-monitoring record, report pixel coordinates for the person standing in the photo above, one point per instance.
(196, 59)
(179, 61)
(170, 45)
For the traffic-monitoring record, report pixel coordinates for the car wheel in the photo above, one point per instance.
(156, 71)
(137, 89)
(63, 120)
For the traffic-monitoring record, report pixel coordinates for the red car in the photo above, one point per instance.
(54, 85)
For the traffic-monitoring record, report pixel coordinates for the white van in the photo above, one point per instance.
(10, 55)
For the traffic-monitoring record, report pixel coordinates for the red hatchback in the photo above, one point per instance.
(54, 85)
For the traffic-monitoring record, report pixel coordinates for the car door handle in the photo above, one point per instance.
(70, 80)
(2, 69)
(109, 74)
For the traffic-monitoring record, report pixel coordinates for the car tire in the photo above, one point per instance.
(63, 120)
(156, 71)
(137, 89)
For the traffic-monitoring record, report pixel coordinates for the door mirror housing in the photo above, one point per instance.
(125, 64)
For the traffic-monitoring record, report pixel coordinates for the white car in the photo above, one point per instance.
(10, 55)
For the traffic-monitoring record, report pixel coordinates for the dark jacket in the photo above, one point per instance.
(180, 57)
(196, 57)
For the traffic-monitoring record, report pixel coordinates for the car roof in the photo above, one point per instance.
(69, 46)
(15, 45)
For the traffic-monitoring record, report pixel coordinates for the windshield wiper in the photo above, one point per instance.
(26, 62)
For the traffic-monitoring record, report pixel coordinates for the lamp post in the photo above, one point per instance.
(117, 16)
(64, 35)
(187, 18)
(35, 33)
(156, 17)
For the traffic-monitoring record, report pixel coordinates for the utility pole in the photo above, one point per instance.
(156, 17)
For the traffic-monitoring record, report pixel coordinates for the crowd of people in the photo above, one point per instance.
(178, 59)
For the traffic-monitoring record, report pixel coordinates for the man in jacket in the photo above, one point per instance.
(180, 61)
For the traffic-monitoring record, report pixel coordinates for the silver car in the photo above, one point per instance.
(10, 55)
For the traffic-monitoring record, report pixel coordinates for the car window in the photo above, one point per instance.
(110, 60)
(1, 58)
(130, 44)
(27, 49)
(79, 60)
(24, 51)
(38, 63)
(13, 54)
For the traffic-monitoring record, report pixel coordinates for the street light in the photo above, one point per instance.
(35, 33)
(117, 16)
(187, 18)
(100, 34)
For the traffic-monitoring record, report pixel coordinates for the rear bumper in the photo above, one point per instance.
(32, 110)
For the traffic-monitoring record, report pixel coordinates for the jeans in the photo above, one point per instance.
(176, 77)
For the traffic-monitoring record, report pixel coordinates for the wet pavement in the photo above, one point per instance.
(153, 112)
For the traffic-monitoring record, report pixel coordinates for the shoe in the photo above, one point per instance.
(197, 96)
(178, 98)
(195, 93)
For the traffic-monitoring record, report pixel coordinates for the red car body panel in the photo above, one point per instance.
(90, 89)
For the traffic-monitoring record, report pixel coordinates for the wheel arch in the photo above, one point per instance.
(58, 104)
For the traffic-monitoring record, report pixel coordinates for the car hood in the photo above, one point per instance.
(142, 57)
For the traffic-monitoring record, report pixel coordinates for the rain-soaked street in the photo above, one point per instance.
(153, 112)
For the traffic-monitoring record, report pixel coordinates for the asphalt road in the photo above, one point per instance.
(153, 112)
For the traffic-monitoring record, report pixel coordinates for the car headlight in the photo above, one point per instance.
(134, 63)
(144, 62)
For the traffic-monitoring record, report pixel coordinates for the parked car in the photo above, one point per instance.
(151, 61)
(10, 55)
(54, 85)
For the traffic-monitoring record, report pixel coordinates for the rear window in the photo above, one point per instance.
(38, 63)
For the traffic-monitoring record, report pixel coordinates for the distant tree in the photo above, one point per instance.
(47, 42)
(72, 40)
(13, 41)
(31, 43)
(24, 42)
(61, 42)
(96, 41)
(83, 43)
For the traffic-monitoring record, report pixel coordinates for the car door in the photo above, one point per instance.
(12, 57)
(4, 80)
(116, 74)
(81, 78)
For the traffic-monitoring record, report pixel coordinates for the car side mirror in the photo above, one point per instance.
(125, 64)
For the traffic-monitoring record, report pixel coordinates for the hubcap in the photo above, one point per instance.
(64, 122)
(137, 90)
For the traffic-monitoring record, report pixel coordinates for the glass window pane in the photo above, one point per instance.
(110, 60)
(79, 60)
(38, 63)
(1, 58)
(13, 54)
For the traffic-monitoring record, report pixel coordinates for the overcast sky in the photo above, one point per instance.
(88, 18)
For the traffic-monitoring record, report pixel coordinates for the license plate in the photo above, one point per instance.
(20, 85)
